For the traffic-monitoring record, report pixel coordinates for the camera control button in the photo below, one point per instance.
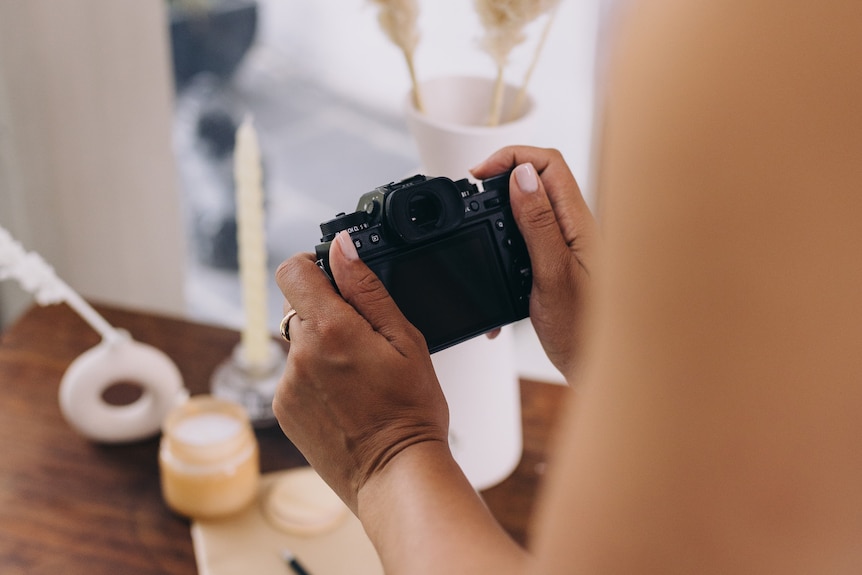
(374, 237)
(500, 225)
(474, 206)
(372, 207)
(357, 243)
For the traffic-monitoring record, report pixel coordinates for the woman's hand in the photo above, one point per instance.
(561, 237)
(359, 386)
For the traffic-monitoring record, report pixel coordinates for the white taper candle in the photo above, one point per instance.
(248, 177)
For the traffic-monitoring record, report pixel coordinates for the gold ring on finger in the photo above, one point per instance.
(285, 325)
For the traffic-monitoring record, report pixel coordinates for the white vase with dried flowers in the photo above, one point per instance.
(457, 121)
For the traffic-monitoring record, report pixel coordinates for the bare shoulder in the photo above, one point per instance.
(733, 140)
(717, 429)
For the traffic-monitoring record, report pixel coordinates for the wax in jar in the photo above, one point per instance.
(207, 429)
(208, 459)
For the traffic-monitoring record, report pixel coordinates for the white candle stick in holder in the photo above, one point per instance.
(251, 375)
(251, 244)
(118, 358)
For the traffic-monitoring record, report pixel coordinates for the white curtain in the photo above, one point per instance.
(86, 167)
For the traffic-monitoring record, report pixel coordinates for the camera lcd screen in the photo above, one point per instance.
(452, 289)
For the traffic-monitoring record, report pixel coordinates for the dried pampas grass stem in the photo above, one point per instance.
(504, 22)
(522, 91)
(398, 20)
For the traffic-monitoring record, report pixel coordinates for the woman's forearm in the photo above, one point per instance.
(423, 516)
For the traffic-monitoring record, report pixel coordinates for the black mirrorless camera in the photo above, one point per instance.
(449, 252)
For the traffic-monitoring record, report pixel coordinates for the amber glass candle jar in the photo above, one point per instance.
(208, 458)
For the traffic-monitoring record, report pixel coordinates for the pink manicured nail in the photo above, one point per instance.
(525, 175)
(347, 247)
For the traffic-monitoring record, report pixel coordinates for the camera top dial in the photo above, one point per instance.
(350, 222)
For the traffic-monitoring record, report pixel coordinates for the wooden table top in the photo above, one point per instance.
(71, 506)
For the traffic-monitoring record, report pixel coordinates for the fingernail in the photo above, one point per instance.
(347, 246)
(525, 175)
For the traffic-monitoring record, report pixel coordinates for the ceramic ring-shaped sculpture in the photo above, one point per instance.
(113, 361)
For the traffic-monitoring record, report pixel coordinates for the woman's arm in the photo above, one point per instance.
(424, 517)
(718, 427)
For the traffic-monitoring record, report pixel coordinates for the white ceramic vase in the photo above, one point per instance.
(479, 376)
(453, 135)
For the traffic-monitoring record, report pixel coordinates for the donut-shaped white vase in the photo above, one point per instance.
(110, 362)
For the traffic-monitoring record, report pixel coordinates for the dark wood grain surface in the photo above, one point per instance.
(71, 506)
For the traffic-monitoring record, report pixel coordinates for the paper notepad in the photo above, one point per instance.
(251, 543)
